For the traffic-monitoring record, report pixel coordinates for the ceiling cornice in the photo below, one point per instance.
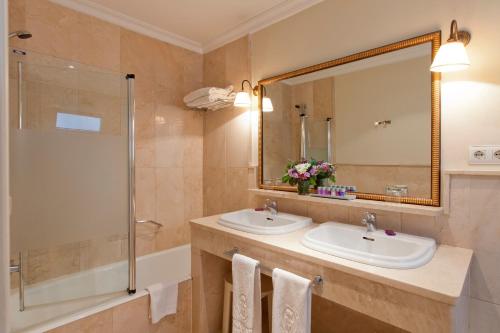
(261, 21)
(127, 22)
(258, 22)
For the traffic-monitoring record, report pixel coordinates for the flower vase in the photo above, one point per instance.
(303, 187)
(324, 182)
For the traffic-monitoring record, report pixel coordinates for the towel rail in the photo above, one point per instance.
(317, 281)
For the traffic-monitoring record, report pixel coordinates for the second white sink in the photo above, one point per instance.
(373, 248)
(263, 223)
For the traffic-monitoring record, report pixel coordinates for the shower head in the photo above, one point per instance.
(20, 34)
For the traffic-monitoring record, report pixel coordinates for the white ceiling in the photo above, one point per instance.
(200, 25)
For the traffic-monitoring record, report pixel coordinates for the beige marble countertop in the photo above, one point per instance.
(441, 279)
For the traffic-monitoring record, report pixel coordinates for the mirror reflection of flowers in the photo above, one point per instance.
(326, 172)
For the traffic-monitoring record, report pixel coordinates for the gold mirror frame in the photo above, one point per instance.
(435, 39)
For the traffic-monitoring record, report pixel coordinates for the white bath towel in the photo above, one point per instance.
(291, 303)
(162, 300)
(207, 100)
(208, 91)
(247, 315)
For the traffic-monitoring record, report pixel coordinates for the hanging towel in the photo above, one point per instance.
(163, 300)
(208, 91)
(247, 315)
(291, 303)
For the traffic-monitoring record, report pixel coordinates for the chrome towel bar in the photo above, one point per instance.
(317, 281)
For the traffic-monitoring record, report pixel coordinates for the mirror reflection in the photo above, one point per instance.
(370, 118)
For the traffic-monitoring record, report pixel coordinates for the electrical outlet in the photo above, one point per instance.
(484, 154)
(496, 155)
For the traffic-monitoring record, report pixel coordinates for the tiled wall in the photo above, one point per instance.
(226, 172)
(169, 137)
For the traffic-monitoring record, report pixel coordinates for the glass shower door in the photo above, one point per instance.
(69, 147)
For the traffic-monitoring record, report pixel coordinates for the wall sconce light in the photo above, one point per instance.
(267, 105)
(452, 56)
(243, 98)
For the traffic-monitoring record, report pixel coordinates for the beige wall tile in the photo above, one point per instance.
(485, 276)
(214, 189)
(101, 322)
(145, 191)
(193, 192)
(170, 196)
(132, 317)
(425, 226)
(236, 189)
(238, 138)
(484, 317)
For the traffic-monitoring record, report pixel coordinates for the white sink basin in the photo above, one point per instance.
(263, 223)
(373, 248)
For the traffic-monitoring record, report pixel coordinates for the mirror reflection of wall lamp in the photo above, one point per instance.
(243, 98)
(452, 56)
(382, 123)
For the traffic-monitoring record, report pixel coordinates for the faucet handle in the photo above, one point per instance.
(271, 203)
(369, 218)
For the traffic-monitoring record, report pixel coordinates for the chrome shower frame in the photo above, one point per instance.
(131, 180)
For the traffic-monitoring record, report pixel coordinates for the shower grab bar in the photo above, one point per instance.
(19, 269)
(150, 221)
(317, 281)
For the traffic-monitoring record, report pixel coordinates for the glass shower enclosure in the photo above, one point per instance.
(72, 177)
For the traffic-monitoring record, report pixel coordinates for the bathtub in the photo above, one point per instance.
(56, 302)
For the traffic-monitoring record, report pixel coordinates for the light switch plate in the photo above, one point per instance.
(484, 154)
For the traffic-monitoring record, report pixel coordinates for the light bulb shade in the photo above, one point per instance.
(267, 105)
(451, 57)
(242, 99)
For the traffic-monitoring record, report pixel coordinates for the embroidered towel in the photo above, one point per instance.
(247, 314)
(162, 300)
(291, 303)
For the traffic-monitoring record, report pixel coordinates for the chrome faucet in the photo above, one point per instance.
(271, 206)
(370, 220)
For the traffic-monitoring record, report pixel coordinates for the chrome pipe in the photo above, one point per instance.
(329, 138)
(19, 269)
(131, 180)
(21, 282)
(20, 105)
(303, 137)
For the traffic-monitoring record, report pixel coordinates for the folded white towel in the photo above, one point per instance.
(291, 303)
(206, 100)
(207, 92)
(163, 300)
(247, 315)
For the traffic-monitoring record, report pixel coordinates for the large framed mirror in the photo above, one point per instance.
(375, 115)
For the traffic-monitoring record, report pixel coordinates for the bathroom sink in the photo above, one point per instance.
(373, 248)
(263, 222)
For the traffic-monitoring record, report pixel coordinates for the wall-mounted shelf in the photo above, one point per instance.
(360, 203)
